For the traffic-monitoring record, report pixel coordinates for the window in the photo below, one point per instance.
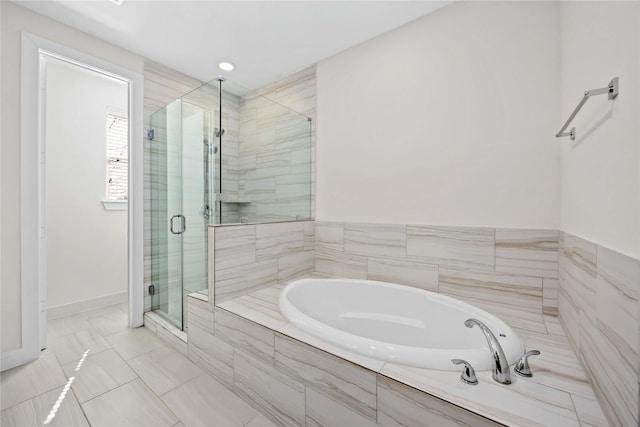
(117, 157)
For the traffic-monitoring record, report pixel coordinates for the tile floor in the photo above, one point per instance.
(118, 377)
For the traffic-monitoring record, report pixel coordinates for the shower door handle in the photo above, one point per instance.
(183, 224)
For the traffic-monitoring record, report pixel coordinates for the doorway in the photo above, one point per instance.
(86, 133)
(33, 242)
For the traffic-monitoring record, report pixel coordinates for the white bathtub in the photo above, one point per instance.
(395, 323)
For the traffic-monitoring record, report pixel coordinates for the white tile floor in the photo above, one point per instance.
(127, 378)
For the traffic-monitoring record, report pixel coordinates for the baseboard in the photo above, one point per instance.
(86, 305)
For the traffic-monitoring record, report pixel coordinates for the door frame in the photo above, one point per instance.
(33, 197)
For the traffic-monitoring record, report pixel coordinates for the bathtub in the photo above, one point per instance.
(395, 323)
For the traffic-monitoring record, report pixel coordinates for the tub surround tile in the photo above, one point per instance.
(260, 307)
(211, 266)
(547, 397)
(600, 309)
(322, 411)
(521, 292)
(174, 337)
(234, 246)
(462, 247)
(509, 273)
(569, 315)
(618, 303)
(254, 256)
(557, 366)
(245, 335)
(578, 273)
(527, 252)
(277, 395)
(260, 421)
(211, 354)
(303, 337)
(588, 410)
(200, 314)
(410, 273)
(553, 325)
(344, 382)
(522, 403)
(274, 240)
(309, 233)
(614, 379)
(296, 264)
(388, 241)
(521, 321)
(236, 281)
(400, 405)
(550, 296)
(340, 264)
(330, 236)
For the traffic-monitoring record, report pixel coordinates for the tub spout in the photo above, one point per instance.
(499, 364)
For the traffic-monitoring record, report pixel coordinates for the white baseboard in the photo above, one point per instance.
(86, 305)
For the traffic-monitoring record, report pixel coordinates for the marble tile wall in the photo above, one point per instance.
(254, 256)
(295, 384)
(276, 169)
(599, 307)
(501, 270)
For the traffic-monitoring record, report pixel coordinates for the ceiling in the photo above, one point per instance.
(266, 40)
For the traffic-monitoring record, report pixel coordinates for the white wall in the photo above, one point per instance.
(447, 120)
(86, 245)
(601, 168)
(15, 20)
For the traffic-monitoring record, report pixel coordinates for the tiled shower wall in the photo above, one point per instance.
(275, 155)
(599, 299)
(501, 270)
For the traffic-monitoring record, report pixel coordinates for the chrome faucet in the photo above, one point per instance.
(499, 364)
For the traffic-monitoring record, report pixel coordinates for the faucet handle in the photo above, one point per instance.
(522, 365)
(468, 374)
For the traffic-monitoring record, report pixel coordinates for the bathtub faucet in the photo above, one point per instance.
(499, 364)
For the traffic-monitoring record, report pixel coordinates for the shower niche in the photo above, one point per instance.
(221, 154)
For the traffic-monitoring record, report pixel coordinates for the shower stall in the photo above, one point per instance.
(220, 154)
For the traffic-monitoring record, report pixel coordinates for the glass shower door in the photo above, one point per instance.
(168, 222)
(197, 207)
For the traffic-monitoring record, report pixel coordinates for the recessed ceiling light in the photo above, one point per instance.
(226, 66)
(118, 2)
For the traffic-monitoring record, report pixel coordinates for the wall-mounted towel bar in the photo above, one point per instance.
(611, 90)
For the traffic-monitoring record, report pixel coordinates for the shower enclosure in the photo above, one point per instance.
(221, 154)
